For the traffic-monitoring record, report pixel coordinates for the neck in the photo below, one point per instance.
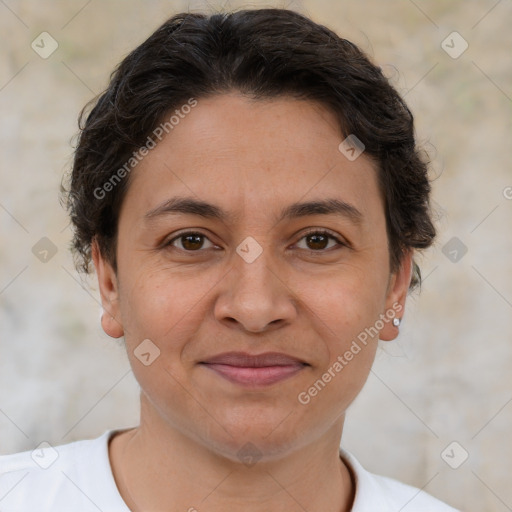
(156, 466)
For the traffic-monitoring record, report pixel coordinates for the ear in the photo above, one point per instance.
(396, 295)
(109, 291)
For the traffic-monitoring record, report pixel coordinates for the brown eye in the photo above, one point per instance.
(317, 241)
(190, 241)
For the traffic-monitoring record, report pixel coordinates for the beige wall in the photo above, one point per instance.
(446, 378)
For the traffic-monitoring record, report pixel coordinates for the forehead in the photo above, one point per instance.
(254, 156)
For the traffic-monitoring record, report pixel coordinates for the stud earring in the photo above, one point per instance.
(396, 322)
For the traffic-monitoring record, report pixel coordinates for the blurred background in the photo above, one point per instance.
(436, 411)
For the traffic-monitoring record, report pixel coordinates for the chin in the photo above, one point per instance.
(266, 438)
(250, 449)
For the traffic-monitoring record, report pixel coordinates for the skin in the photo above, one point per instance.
(250, 158)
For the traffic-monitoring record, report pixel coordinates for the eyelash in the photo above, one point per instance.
(323, 232)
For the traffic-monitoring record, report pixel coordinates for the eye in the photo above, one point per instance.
(318, 240)
(193, 241)
(190, 241)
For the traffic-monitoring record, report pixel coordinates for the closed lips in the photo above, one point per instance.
(245, 360)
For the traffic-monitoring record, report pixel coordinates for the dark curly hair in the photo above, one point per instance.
(262, 53)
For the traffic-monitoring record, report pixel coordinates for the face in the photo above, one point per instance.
(261, 275)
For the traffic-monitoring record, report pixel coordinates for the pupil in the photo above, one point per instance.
(188, 237)
(316, 237)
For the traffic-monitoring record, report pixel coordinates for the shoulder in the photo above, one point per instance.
(56, 477)
(376, 492)
(43, 463)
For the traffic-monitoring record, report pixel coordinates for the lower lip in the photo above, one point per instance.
(251, 377)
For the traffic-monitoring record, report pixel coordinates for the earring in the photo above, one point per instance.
(396, 322)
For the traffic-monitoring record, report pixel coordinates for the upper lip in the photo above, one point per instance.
(243, 359)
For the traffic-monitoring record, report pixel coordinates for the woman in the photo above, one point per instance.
(250, 193)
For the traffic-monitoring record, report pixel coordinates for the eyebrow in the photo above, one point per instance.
(191, 206)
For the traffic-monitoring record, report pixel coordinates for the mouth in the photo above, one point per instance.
(254, 370)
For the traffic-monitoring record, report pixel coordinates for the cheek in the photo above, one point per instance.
(157, 309)
(167, 313)
(349, 300)
(157, 298)
(345, 314)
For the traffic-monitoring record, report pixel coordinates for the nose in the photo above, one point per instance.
(255, 297)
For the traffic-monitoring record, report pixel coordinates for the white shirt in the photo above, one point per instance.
(77, 477)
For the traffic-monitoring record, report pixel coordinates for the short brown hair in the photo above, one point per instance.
(263, 53)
